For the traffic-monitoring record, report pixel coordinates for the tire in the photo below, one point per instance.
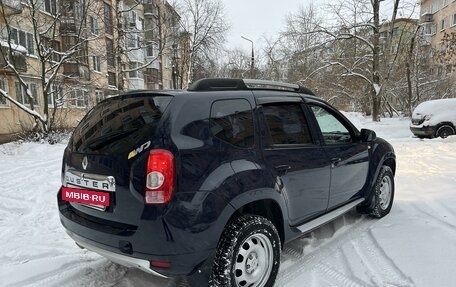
(444, 131)
(381, 200)
(248, 254)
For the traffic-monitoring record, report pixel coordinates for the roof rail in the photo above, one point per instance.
(217, 84)
(221, 84)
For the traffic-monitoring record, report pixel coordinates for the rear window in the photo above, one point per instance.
(119, 123)
(232, 122)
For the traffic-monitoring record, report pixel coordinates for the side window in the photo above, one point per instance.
(286, 124)
(232, 122)
(334, 132)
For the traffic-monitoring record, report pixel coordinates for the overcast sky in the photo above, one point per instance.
(254, 19)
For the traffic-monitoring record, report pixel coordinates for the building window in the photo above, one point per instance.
(132, 40)
(93, 22)
(141, 23)
(395, 32)
(454, 20)
(21, 94)
(55, 96)
(139, 41)
(3, 87)
(131, 20)
(49, 6)
(56, 57)
(112, 79)
(110, 57)
(150, 50)
(96, 63)
(435, 6)
(446, 2)
(71, 9)
(430, 28)
(135, 70)
(54, 48)
(24, 39)
(99, 96)
(108, 18)
(442, 24)
(79, 98)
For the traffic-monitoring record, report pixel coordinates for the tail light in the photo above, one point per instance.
(160, 177)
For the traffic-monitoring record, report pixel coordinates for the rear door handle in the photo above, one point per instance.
(282, 169)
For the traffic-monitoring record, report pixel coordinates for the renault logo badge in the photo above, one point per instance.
(85, 163)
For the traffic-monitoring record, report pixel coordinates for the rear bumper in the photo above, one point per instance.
(175, 234)
(113, 248)
(123, 260)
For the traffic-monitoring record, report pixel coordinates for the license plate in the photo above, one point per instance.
(84, 196)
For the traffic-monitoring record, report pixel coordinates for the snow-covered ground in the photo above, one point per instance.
(415, 245)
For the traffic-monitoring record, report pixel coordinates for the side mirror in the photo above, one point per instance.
(368, 135)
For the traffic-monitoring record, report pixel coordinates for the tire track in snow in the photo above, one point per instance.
(55, 267)
(437, 207)
(382, 270)
(338, 277)
(327, 249)
(26, 168)
(370, 252)
(444, 223)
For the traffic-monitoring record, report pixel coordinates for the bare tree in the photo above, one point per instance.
(46, 41)
(354, 53)
(205, 21)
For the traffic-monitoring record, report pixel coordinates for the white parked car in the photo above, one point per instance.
(436, 118)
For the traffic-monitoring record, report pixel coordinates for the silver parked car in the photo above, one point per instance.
(436, 118)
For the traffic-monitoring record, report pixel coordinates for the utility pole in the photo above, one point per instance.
(252, 61)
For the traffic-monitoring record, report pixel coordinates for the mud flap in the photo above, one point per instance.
(202, 274)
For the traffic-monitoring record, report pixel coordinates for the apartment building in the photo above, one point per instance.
(97, 48)
(401, 34)
(438, 18)
(154, 45)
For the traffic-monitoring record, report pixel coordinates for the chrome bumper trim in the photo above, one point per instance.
(123, 260)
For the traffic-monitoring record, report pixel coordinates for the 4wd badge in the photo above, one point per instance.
(139, 150)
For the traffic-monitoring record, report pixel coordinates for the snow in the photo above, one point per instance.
(413, 246)
(436, 111)
(377, 88)
(15, 47)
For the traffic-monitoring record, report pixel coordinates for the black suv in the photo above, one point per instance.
(211, 182)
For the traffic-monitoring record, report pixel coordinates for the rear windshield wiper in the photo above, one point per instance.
(100, 141)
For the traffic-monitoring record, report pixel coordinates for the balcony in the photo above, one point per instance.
(131, 2)
(427, 18)
(150, 10)
(152, 76)
(426, 40)
(151, 35)
(76, 70)
(12, 6)
(17, 58)
(68, 24)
